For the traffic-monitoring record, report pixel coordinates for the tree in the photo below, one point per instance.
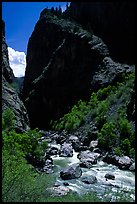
(60, 11)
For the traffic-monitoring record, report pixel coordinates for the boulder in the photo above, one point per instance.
(71, 172)
(93, 144)
(66, 150)
(89, 179)
(88, 155)
(52, 151)
(132, 167)
(58, 191)
(110, 175)
(124, 162)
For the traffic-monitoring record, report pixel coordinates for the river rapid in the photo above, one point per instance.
(124, 179)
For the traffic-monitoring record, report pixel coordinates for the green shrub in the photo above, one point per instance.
(27, 142)
(8, 119)
(73, 119)
(107, 136)
(20, 182)
(117, 151)
(132, 153)
(125, 145)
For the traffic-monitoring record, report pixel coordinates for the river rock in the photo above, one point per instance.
(71, 172)
(73, 139)
(124, 162)
(59, 190)
(66, 150)
(111, 159)
(89, 179)
(110, 175)
(93, 144)
(52, 151)
(132, 167)
(88, 155)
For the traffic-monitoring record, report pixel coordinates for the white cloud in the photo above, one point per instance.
(63, 7)
(17, 62)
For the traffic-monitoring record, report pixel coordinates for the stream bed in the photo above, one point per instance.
(124, 179)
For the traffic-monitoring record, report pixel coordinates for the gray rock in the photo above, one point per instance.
(124, 162)
(88, 155)
(49, 90)
(58, 190)
(93, 143)
(110, 175)
(132, 167)
(66, 150)
(71, 172)
(10, 98)
(89, 179)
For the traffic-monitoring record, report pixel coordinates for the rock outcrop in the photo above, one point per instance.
(61, 60)
(65, 62)
(113, 21)
(10, 97)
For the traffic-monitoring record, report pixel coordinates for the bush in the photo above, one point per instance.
(107, 136)
(125, 146)
(8, 119)
(20, 182)
(73, 119)
(117, 151)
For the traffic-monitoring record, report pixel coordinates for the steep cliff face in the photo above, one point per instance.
(65, 63)
(61, 60)
(114, 22)
(9, 96)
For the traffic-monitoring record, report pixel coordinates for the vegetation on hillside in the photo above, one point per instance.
(20, 180)
(107, 109)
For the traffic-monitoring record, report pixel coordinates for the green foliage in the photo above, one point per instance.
(25, 143)
(132, 153)
(107, 136)
(125, 145)
(102, 94)
(117, 151)
(20, 183)
(107, 109)
(74, 197)
(8, 119)
(73, 119)
(124, 125)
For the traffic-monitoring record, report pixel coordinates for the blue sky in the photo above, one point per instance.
(20, 19)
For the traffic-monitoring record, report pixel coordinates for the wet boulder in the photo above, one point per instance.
(48, 166)
(89, 179)
(124, 162)
(132, 167)
(111, 159)
(71, 172)
(93, 144)
(66, 150)
(59, 190)
(52, 151)
(87, 158)
(110, 175)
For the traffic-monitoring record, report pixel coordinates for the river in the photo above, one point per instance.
(124, 179)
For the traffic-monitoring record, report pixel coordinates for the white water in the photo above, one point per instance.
(123, 179)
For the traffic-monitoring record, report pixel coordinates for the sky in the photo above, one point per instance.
(20, 19)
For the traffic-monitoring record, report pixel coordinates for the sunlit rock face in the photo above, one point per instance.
(10, 98)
